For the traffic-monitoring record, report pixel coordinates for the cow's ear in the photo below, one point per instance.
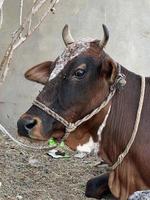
(109, 69)
(40, 73)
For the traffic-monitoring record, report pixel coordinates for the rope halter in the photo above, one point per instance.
(70, 127)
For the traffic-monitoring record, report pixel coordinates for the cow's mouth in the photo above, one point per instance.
(58, 135)
(38, 136)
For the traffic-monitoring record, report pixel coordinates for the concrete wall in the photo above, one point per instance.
(129, 44)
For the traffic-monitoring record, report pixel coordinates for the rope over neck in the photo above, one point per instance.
(135, 129)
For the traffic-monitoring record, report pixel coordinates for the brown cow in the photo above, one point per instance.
(79, 81)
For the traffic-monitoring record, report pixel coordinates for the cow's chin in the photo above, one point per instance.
(38, 137)
(58, 135)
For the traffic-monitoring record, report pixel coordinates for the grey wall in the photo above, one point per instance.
(129, 44)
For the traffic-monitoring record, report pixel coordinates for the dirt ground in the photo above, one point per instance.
(33, 175)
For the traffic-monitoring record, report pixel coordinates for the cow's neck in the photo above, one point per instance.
(118, 130)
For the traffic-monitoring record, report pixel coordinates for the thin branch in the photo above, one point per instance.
(1, 12)
(38, 6)
(35, 9)
(29, 25)
(42, 18)
(1, 3)
(21, 10)
(1, 16)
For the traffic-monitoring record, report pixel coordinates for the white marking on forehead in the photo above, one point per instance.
(88, 147)
(69, 53)
(102, 126)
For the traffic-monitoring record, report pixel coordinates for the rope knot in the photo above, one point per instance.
(71, 127)
(121, 81)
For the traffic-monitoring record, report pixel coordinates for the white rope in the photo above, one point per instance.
(136, 125)
(70, 127)
(4, 131)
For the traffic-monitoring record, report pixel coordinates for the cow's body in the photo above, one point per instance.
(83, 82)
(133, 173)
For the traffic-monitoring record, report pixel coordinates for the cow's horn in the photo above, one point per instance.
(66, 35)
(105, 38)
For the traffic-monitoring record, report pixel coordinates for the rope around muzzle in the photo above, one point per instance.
(70, 127)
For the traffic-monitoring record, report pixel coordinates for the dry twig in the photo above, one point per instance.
(1, 12)
(24, 31)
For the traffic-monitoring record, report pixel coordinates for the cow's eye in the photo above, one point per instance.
(79, 73)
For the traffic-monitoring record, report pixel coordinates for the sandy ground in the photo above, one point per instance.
(33, 175)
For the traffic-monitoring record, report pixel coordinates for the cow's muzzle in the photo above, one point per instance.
(26, 125)
(29, 126)
(32, 127)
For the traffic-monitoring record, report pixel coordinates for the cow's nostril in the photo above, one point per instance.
(30, 124)
(25, 125)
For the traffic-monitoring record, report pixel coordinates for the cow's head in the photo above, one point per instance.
(74, 84)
